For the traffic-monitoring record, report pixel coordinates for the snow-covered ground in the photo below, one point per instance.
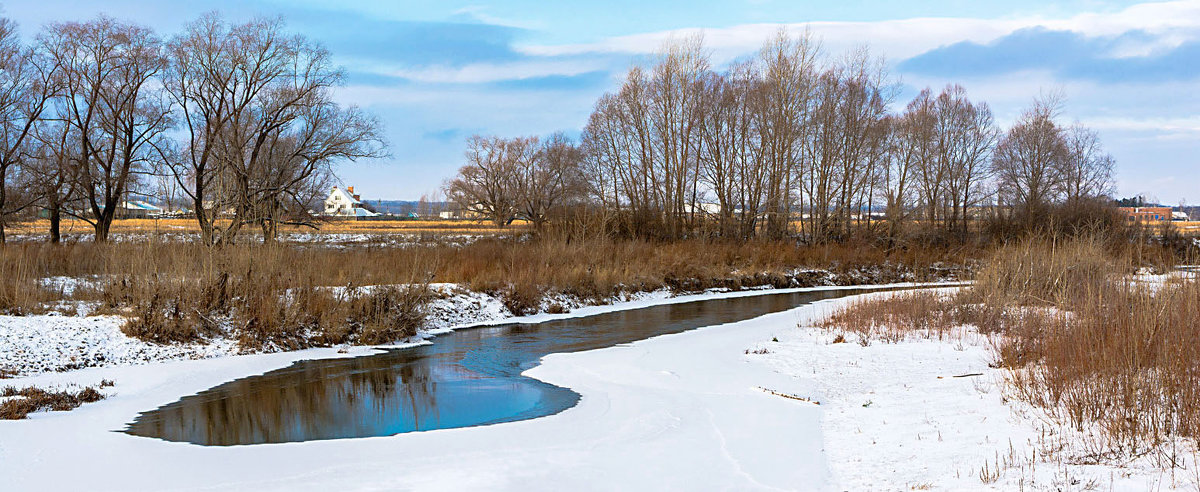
(35, 344)
(45, 343)
(174, 233)
(931, 414)
(768, 403)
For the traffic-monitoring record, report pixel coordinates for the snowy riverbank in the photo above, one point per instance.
(699, 410)
(56, 342)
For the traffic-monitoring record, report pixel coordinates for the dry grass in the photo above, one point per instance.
(1124, 360)
(1037, 272)
(893, 317)
(1108, 353)
(27, 400)
(289, 296)
(20, 292)
(1114, 359)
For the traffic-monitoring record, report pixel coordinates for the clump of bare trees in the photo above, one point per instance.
(240, 117)
(262, 128)
(26, 87)
(522, 177)
(793, 143)
(1040, 162)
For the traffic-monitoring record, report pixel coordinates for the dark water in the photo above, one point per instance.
(465, 378)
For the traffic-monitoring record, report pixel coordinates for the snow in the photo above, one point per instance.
(930, 414)
(175, 233)
(35, 344)
(44, 343)
(68, 285)
(699, 410)
(31, 345)
(1155, 281)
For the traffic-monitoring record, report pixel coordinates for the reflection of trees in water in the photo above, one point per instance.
(308, 401)
(398, 391)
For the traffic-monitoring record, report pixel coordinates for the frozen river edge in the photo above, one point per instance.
(686, 411)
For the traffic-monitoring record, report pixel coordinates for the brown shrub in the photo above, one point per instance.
(388, 314)
(276, 294)
(894, 316)
(1125, 360)
(32, 399)
(1091, 346)
(1038, 272)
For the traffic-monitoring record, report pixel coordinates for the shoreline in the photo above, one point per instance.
(698, 409)
(38, 344)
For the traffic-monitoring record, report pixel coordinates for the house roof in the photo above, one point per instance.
(139, 205)
(347, 196)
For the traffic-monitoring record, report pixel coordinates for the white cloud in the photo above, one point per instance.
(1162, 128)
(1171, 23)
(477, 73)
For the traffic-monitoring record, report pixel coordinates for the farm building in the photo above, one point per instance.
(344, 203)
(1147, 214)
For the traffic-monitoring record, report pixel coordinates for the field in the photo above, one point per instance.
(1188, 227)
(334, 226)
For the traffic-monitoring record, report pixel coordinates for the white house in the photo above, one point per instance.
(344, 203)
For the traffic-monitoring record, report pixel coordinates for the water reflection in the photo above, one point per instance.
(465, 378)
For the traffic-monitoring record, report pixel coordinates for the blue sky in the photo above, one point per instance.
(436, 72)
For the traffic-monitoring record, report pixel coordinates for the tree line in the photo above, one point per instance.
(787, 142)
(237, 118)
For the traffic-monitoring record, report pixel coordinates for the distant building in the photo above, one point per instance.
(344, 203)
(703, 208)
(458, 213)
(137, 209)
(1180, 215)
(1147, 214)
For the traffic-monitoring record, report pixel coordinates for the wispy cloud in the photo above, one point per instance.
(488, 72)
(1067, 54)
(1170, 23)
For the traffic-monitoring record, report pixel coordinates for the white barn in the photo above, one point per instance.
(344, 203)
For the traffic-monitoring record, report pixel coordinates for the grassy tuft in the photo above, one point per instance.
(31, 399)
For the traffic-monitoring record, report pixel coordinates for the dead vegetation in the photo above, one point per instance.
(19, 403)
(1113, 359)
(287, 296)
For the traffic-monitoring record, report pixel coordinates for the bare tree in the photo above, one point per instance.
(675, 107)
(487, 184)
(109, 97)
(549, 180)
(908, 172)
(1029, 159)
(56, 168)
(732, 166)
(966, 136)
(1087, 171)
(787, 81)
(262, 131)
(26, 87)
(844, 143)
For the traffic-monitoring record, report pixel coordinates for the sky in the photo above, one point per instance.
(436, 72)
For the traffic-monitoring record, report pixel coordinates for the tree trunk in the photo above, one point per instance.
(55, 212)
(103, 224)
